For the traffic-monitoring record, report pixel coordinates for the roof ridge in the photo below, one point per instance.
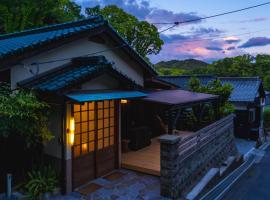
(240, 77)
(180, 76)
(94, 18)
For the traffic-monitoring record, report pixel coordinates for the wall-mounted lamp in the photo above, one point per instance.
(71, 130)
(124, 101)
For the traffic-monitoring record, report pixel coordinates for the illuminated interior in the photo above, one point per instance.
(94, 126)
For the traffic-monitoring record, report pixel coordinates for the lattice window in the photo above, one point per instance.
(94, 126)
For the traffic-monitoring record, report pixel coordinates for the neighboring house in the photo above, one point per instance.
(247, 97)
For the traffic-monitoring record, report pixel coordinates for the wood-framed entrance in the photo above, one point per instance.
(95, 149)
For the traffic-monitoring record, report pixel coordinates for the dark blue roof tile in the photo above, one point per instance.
(19, 41)
(244, 89)
(182, 81)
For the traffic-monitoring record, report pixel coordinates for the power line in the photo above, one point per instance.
(208, 17)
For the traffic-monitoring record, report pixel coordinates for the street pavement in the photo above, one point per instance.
(254, 184)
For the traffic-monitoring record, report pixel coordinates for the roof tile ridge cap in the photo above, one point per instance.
(240, 77)
(52, 27)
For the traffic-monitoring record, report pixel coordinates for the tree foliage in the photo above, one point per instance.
(22, 113)
(215, 87)
(18, 15)
(241, 66)
(141, 35)
(266, 117)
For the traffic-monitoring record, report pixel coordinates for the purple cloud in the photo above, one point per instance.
(142, 10)
(256, 41)
(174, 37)
(161, 15)
(232, 40)
(231, 48)
(208, 31)
(214, 48)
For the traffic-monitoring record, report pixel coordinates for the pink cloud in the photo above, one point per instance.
(207, 50)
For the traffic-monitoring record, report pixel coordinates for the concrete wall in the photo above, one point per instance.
(183, 162)
(74, 49)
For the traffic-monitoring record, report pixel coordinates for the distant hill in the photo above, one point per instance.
(188, 64)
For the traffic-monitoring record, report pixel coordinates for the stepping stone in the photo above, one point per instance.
(89, 188)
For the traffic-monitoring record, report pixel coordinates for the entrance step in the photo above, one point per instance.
(196, 191)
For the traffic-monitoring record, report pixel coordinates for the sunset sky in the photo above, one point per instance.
(208, 40)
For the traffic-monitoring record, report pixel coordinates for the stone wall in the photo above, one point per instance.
(185, 161)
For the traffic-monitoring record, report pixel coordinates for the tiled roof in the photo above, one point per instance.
(18, 42)
(182, 81)
(71, 74)
(244, 89)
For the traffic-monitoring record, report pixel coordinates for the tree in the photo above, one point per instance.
(215, 87)
(241, 66)
(22, 114)
(18, 15)
(266, 117)
(141, 35)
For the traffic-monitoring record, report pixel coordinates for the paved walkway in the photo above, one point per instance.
(244, 145)
(254, 184)
(132, 186)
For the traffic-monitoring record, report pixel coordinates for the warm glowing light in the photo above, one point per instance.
(84, 147)
(71, 138)
(124, 101)
(72, 125)
(71, 130)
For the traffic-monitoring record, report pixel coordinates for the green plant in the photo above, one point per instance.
(266, 117)
(141, 35)
(40, 182)
(215, 87)
(23, 114)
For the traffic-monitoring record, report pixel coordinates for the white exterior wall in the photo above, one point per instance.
(103, 82)
(74, 49)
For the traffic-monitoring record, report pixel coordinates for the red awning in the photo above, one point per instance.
(178, 97)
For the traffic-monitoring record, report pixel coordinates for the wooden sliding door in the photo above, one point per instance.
(94, 152)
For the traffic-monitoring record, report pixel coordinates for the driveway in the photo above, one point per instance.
(254, 184)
